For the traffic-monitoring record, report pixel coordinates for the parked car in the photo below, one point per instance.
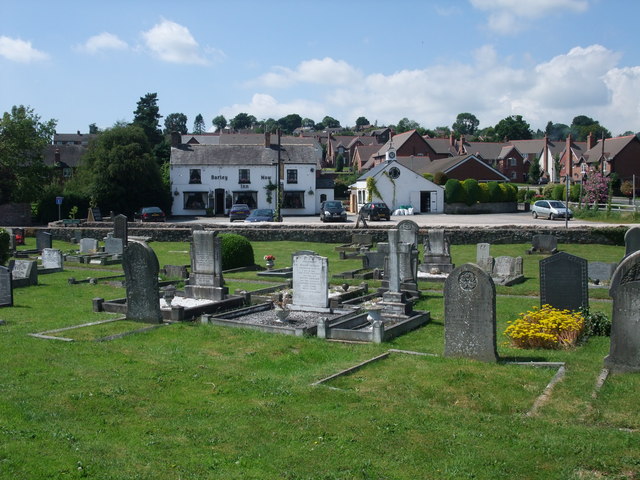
(550, 209)
(333, 210)
(260, 215)
(150, 214)
(239, 211)
(375, 211)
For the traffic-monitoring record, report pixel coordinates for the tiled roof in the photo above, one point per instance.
(70, 155)
(447, 164)
(243, 155)
(612, 147)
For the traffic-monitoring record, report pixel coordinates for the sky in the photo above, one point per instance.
(85, 62)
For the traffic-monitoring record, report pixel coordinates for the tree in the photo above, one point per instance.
(242, 121)
(119, 171)
(557, 131)
(93, 129)
(147, 116)
(175, 122)
(595, 188)
(23, 139)
(289, 123)
(582, 126)
(513, 128)
(465, 124)
(219, 122)
(534, 172)
(308, 123)
(330, 122)
(404, 125)
(362, 122)
(199, 125)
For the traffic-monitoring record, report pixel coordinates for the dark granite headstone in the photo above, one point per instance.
(632, 240)
(121, 228)
(141, 269)
(624, 350)
(6, 287)
(470, 314)
(564, 281)
(43, 240)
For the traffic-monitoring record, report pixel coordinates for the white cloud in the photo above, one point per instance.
(326, 71)
(103, 41)
(173, 43)
(505, 16)
(264, 106)
(20, 51)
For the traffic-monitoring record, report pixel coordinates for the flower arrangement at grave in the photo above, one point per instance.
(281, 301)
(546, 327)
(269, 258)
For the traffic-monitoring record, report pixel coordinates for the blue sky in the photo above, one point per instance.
(89, 62)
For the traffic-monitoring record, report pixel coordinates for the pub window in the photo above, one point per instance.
(292, 176)
(293, 200)
(194, 175)
(243, 176)
(195, 200)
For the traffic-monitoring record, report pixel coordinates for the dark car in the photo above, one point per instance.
(239, 211)
(150, 214)
(333, 210)
(260, 215)
(375, 211)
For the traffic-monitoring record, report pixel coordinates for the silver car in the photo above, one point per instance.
(550, 209)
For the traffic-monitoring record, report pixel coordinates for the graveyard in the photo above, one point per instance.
(142, 398)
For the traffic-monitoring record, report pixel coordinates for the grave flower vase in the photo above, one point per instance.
(374, 314)
(270, 264)
(281, 313)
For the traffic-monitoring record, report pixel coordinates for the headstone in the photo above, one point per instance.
(624, 350)
(25, 273)
(632, 241)
(362, 239)
(310, 280)
(88, 245)
(12, 242)
(376, 258)
(397, 279)
(436, 256)
(6, 287)
(52, 258)
(601, 272)
(43, 240)
(141, 268)
(564, 281)
(544, 243)
(507, 271)
(113, 245)
(121, 228)
(206, 281)
(470, 314)
(483, 257)
(176, 271)
(408, 231)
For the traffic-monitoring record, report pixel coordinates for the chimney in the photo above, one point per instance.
(176, 139)
(590, 142)
(451, 140)
(79, 132)
(602, 159)
(461, 147)
(267, 139)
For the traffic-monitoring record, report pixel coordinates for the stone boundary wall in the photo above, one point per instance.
(15, 214)
(494, 207)
(342, 233)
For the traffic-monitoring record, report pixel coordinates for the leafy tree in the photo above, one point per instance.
(175, 122)
(534, 172)
(626, 188)
(595, 188)
(404, 125)
(93, 129)
(219, 122)
(557, 131)
(289, 123)
(120, 173)
(487, 134)
(199, 125)
(582, 126)
(242, 121)
(339, 162)
(330, 122)
(361, 122)
(269, 125)
(147, 116)
(465, 124)
(308, 123)
(23, 138)
(513, 128)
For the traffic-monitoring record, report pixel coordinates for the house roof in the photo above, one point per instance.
(258, 139)
(77, 138)
(366, 153)
(442, 146)
(447, 164)
(487, 150)
(612, 147)
(70, 155)
(228, 155)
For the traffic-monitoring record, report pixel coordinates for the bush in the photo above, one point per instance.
(4, 246)
(511, 192)
(596, 323)
(546, 327)
(47, 210)
(454, 192)
(236, 251)
(440, 178)
(574, 192)
(472, 191)
(547, 191)
(495, 193)
(521, 195)
(428, 176)
(484, 195)
(558, 192)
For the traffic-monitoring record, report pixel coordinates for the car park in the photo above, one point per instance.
(150, 214)
(333, 210)
(260, 215)
(239, 211)
(375, 211)
(550, 209)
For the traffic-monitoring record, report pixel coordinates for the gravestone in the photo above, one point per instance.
(141, 268)
(206, 281)
(113, 245)
(632, 241)
(436, 257)
(88, 245)
(52, 258)
(121, 228)
(12, 242)
(601, 272)
(564, 281)
(43, 240)
(24, 273)
(470, 314)
(398, 278)
(310, 280)
(376, 258)
(624, 350)
(408, 232)
(176, 271)
(483, 257)
(6, 287)
(507, 270)
(543, 243)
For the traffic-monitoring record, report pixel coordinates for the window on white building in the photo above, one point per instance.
(194, 175)
(244, 175)
(292, 176)
(293, 199)
(195, 200)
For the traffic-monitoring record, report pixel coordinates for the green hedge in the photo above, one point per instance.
(470, 185)
(454, 191)
(236, 251)
(471, 192)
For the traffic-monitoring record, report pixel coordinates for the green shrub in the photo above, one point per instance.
(472, 191)
(47, 210)
(521, 195)
(558, 192)
(428, 176)
(529, 195)
(495, 193)
(574, 192)
(511, 192)
(596, 323)
(484, 195)
(440, 178)
(454, 192)
(547, 191)
(4, 246)
(236, 251)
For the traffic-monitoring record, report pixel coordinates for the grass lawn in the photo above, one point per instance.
(191, 401)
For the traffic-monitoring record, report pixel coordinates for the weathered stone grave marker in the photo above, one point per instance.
(88, 245)
(310, 280)
(24, 273)
(206, 280)
(52, 259)
(43, 240)
(507, 270)
(564, 281)
(113, 245)
(141, 268)
(632, 241)
(483, 257)
(121, 228)
(6, 287)
(543, 243)
(436, 257)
